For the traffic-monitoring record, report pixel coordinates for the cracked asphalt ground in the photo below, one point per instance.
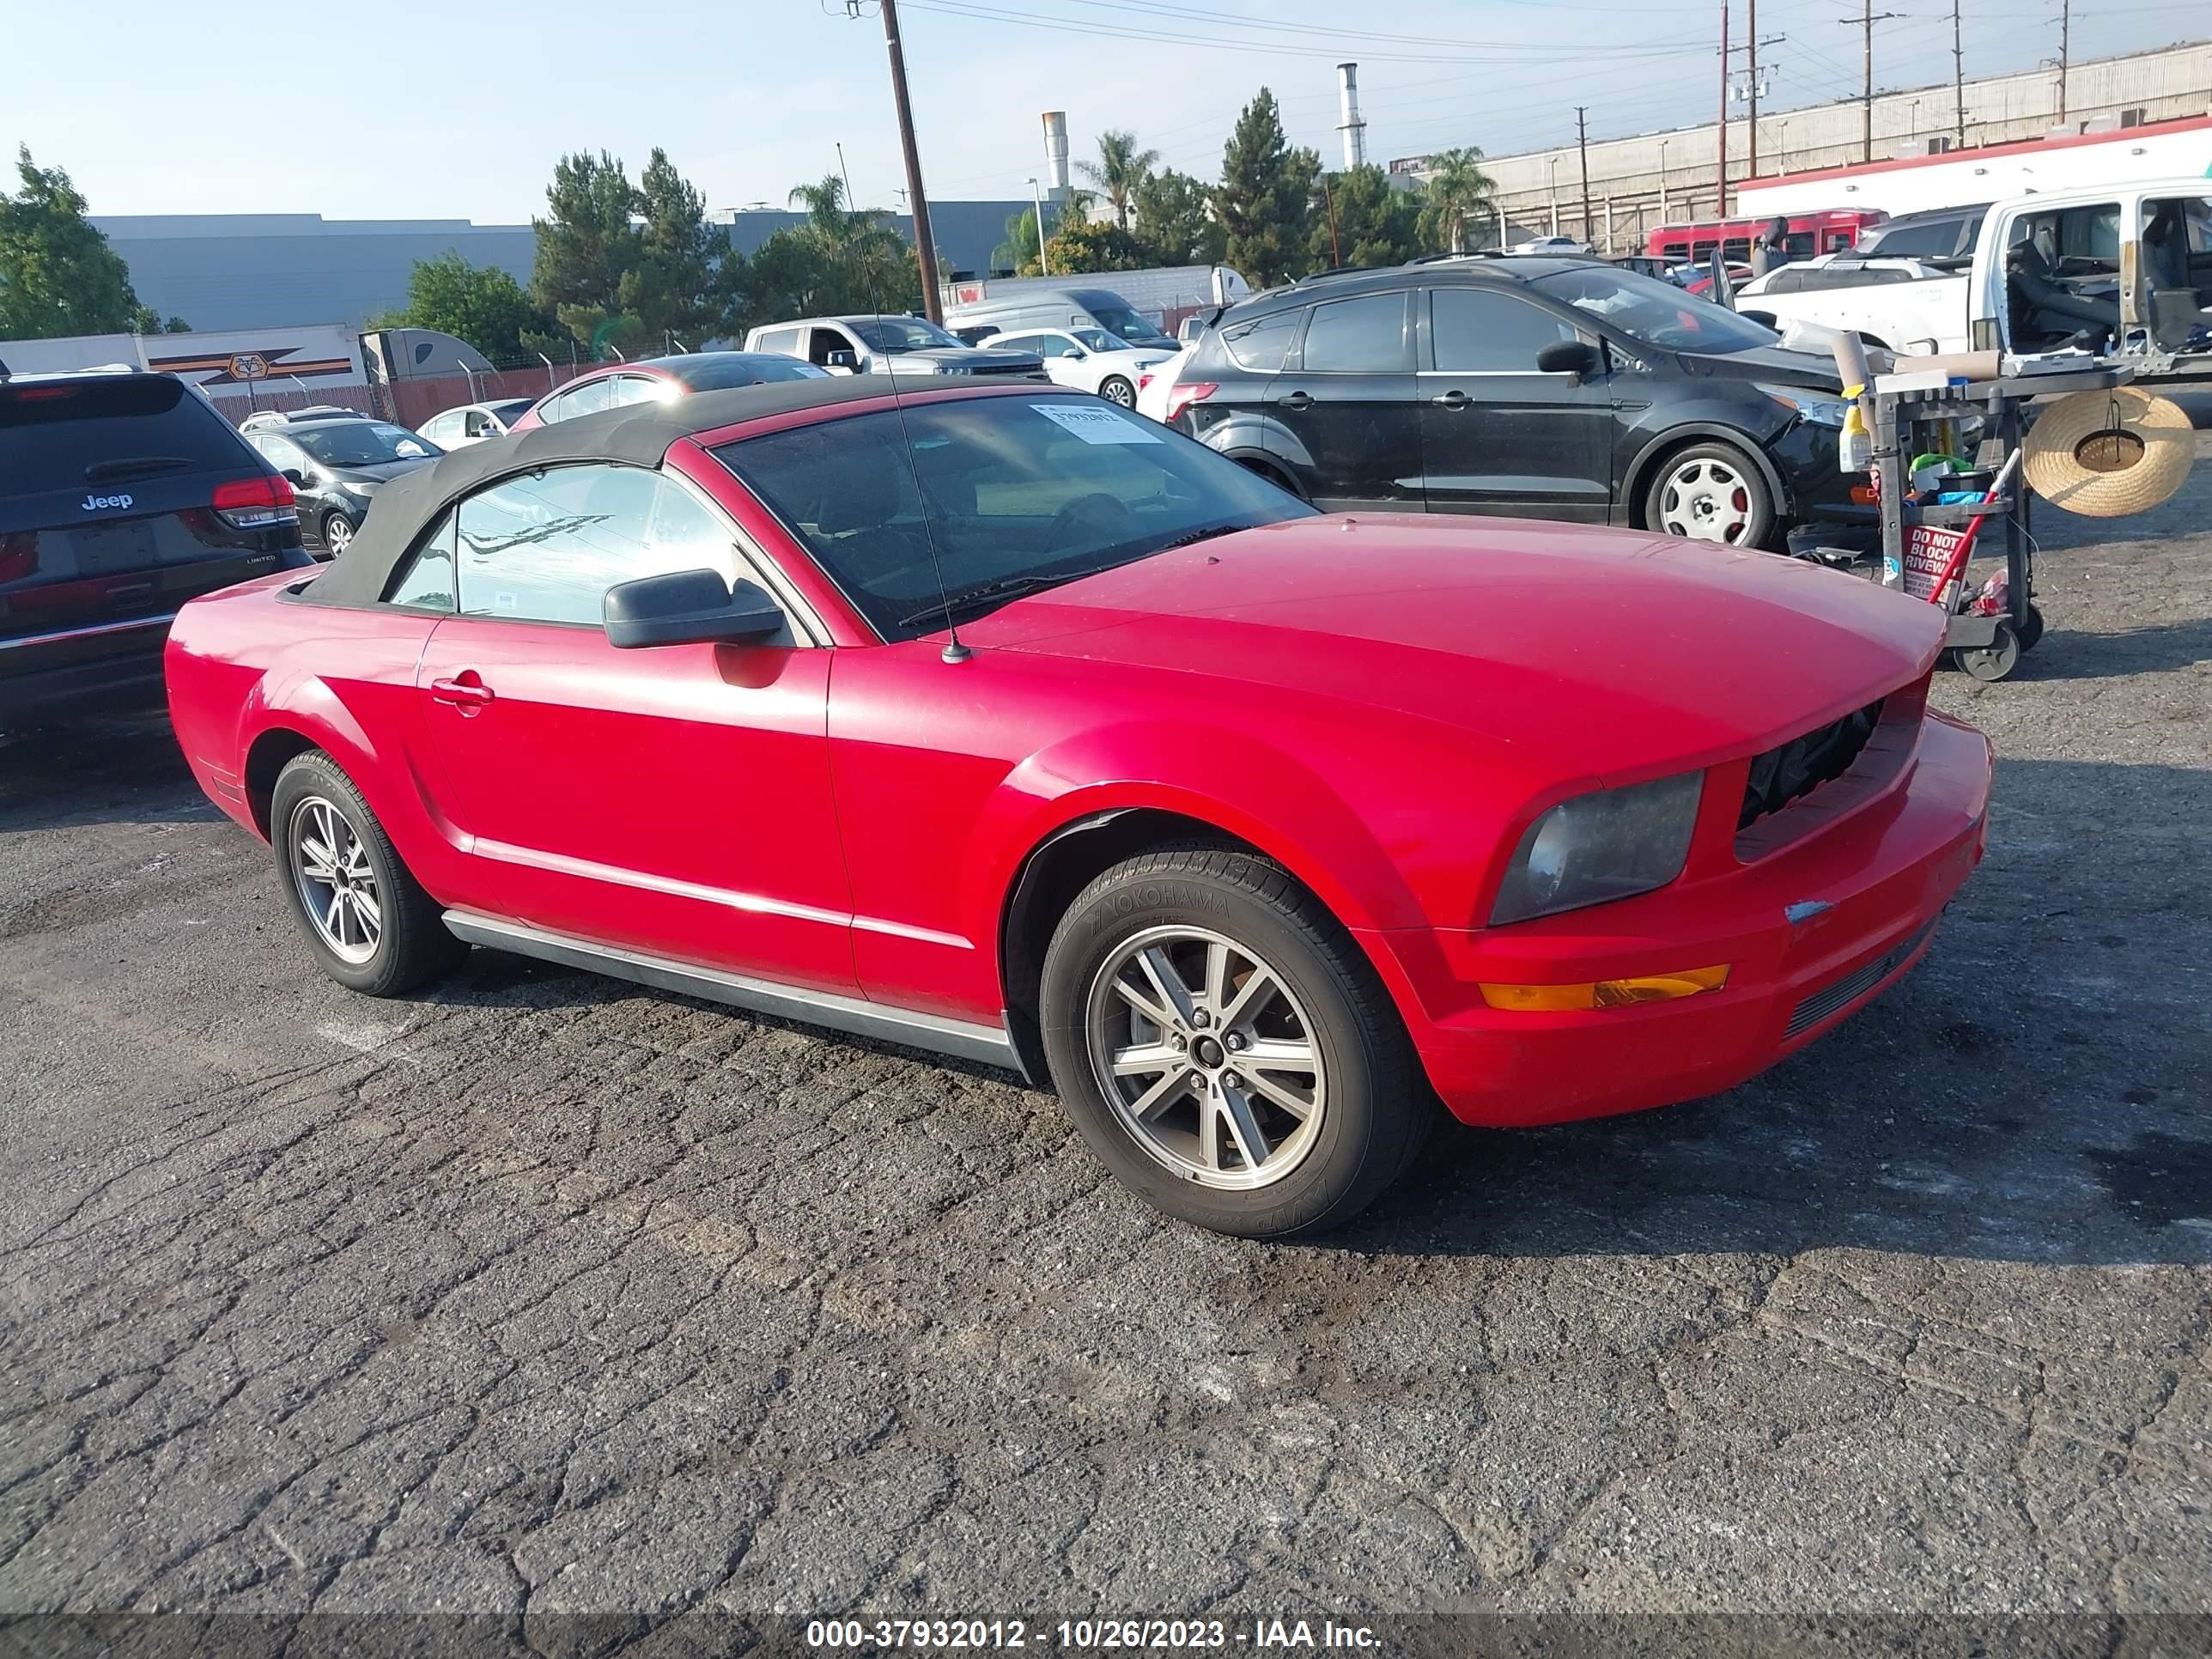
(543, 1297)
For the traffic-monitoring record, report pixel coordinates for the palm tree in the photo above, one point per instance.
(1120, 168)
(825, 207)
(1459, 192)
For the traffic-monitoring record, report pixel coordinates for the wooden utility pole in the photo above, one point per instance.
(1720, 188)
(925, 249)
(1866, 21)
(2066, 20)
(1751, 51)
(1958, 76)
(1582, 143)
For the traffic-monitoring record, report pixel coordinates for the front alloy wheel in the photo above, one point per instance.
(337, 533)
(1207, 1058)
(1225, 1047)
(1119, 391)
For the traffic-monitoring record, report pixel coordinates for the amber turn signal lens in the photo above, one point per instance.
(1605, 993)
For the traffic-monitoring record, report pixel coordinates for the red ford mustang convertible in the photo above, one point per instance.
(1253, 833)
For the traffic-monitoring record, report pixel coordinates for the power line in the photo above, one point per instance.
(973, 8)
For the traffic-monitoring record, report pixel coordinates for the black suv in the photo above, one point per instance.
(122, 495)
(1554, 388)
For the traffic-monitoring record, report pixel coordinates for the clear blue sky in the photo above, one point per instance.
(406, 108)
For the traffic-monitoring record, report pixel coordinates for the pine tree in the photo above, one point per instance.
(585, 245)
(1264, 198)
(677, 288)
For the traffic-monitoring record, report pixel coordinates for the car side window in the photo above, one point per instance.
(633, 389)
(425, 582)
(282, 452)
(588, 398)
(545, 547)
(1262, 347)
(1480, 331)
(821, 341)
(1365, 335)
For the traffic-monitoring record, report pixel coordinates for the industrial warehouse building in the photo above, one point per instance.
(1644, 181)
(222, 270)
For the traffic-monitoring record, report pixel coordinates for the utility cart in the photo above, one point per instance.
(1908, 423)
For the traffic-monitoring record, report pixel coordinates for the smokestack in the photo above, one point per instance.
(1349, 124)
(1055, 154)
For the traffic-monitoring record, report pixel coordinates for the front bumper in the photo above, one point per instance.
(1816, 486)
(1867, 892)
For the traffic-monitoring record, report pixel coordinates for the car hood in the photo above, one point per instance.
(960, 357)
(1775, 365)
(1597, 651)
(379, 472)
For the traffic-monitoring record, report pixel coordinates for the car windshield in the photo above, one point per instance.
(1656, 312)
(510, 409)
(1126, 324)
(713, 371)
(364, 443)
(1099, 340)
(902, 334)
(994, 496)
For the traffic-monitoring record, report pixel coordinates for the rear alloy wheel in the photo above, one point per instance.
(369, 923)
(1711, 493)
(337, 532)
(1224, 1047)
(1119, 391)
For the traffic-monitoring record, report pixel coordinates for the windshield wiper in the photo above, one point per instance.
(1205, 534)
(989, 594)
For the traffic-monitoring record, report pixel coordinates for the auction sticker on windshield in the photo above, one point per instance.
(1101, 425)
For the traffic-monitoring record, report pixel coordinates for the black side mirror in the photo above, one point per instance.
(687, 607)
(1569, 357)
(844, 359)
(295, 478)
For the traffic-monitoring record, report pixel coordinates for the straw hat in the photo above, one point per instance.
(2106, 454)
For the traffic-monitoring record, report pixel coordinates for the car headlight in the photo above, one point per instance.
(1818, 407)
(1609, 844)
(953, 368)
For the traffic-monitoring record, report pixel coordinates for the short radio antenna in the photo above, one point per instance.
(954, 652)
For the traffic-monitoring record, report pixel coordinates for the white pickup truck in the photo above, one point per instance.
(2119, 272)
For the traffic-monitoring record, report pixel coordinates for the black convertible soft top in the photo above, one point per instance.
(639, 435)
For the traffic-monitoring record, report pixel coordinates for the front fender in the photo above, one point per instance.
(1648, 446)
(1259, 794)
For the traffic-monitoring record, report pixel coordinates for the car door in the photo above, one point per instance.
(1064, 357)
(309, 482)
(1342, 414)
(673, 801)
(824, 340)
(1497, 434)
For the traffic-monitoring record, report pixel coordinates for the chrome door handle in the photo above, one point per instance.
(1454, 399)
